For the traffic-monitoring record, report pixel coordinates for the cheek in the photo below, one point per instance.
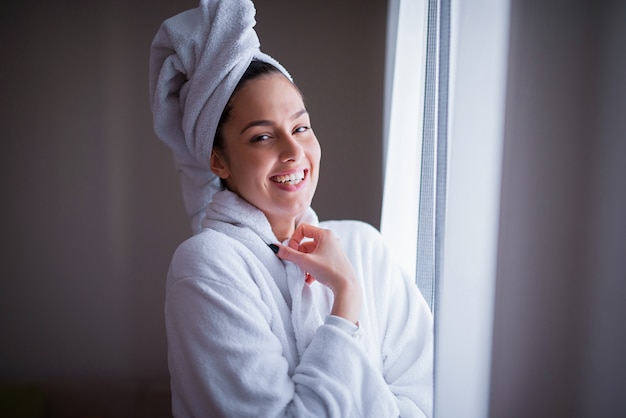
(315, 153)
(248, 166)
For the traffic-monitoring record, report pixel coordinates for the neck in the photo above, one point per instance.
(282, 228)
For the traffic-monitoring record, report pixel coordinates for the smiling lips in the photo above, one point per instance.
(290, 179)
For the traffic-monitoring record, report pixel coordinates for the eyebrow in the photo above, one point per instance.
(269, 123)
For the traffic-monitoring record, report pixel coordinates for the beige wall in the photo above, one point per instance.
(91, 207)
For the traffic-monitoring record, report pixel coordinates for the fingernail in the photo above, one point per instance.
(273, 247)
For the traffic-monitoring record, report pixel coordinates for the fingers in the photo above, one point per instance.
(300, 256)
(304, 231)
(318, 252)
(307, 247)
(289, 254)
(282, 251)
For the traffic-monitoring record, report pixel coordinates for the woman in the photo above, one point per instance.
(268, 311)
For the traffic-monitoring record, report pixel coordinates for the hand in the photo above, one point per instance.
(320, 253)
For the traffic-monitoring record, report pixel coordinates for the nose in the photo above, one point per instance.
(290, 148)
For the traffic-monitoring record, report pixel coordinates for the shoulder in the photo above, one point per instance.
(354, 233)
(204, 254)
(367, 249)
(351, 228)
(363, 244)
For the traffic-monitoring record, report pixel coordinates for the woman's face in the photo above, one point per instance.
(271, 155)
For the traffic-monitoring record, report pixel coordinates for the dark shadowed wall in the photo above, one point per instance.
(91, 208)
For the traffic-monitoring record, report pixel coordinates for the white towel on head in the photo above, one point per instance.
(196, 61)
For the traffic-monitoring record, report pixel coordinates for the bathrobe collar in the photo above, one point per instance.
(228, 212)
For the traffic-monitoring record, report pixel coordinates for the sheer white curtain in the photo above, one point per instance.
(464, 318)
(404, 105)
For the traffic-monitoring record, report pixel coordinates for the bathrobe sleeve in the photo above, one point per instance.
(396, 317)
(225, 359)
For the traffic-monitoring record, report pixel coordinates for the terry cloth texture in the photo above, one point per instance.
(247, 337)
(197, 58)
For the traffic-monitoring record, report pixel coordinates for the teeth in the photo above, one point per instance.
(293, 178)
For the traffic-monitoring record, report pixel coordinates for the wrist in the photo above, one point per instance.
(347, 303)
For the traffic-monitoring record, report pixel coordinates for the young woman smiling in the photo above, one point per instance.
(270, 312)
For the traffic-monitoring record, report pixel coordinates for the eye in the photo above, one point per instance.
(260, 138)
(301, 129)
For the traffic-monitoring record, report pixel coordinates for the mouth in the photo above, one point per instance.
(290, 179)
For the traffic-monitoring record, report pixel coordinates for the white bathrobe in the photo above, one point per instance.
(247, 337)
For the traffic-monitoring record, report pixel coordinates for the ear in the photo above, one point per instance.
(218, 165)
